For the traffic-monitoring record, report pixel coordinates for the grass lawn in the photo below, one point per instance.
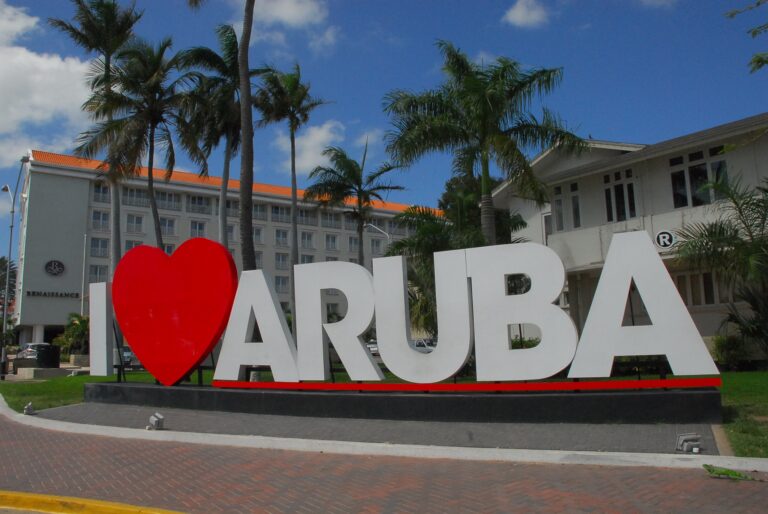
(745, 412)
(745, 401)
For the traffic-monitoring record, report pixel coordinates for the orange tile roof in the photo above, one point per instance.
(71, 161)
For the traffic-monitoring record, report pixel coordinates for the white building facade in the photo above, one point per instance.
(64, 239)
(619, 187)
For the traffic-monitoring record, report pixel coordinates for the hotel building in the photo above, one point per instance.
(64, 240)
(619, 187)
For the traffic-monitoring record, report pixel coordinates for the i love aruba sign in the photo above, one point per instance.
(174, 309)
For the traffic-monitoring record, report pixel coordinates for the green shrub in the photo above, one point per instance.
(74, 339)
(730, 351)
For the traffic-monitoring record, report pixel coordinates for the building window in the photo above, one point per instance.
(619, 196)
(282, 284)
(330, 242)
(100, 220)
(167, 226)
(575, 207)
(168, 201)
(100, 192)
(281, 237)
(169, 248)
(281, 261)
(230, 232)
(330, 220)
(99, 247)
(135, 197)
(332, 312)
(354, 243)
(233, 208)
(307, 217)
(131, 244)
(354, 260)
(547, 224)
(376, 246)
(135, 224)
(281, 214)
(196, 229)
(306, 240)
(702, 289)
(260, 212)
(199, 204)
(97, 273)
(307, 259)
(286, 307)
(331, 259)
(259, 260)
(256, 233)
(557, 209)
(688, 183)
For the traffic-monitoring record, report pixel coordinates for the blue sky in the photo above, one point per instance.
(634, 70)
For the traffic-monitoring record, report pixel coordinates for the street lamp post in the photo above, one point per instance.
(12, 194)
(389, 238)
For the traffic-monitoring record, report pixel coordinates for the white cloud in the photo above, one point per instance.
(14, 22)
(325, 41)
(658, 3)
(526, 14)
(5, 205)
(310, 144)
(372, 136)
(41, 94)
(289, 13)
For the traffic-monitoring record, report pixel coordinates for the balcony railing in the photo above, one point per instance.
(307, 220)
(281, 217)
(199, 209)
(331, 222)
(169, 205)
(101, 197)
(136, 201)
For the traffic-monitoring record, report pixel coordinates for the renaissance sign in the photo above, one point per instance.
(173, 314)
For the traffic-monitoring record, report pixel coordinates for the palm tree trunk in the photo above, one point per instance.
(360, 252)
(294, 228)
(487, 212)
(114, 201)
(223, 237)
(246, 153)
(151, 190)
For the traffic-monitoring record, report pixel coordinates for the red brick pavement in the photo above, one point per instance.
(211, 479)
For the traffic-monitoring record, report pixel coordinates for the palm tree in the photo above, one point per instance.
(246, 136)
(283, 96)
(101, 26)
(735, 246)
(480, 113)
(218, 116)
(149, 103)
(345, 183)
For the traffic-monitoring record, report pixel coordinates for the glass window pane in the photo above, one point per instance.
(616, 175)
(631, 200)
(682, 287)
(621, 209)
(558, 214)
(576, 211)
(675, 161)
(698, 177)
(696, 289)
(695, 156)
(608, 205)
(606, 179)
(719, 174)
(717, 150)
(679, 191)
(709, 289)
(574, 187)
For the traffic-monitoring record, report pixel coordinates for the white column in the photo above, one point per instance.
(101, 335)
(38, 334)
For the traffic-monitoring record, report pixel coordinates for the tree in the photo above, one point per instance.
(75, 338)
(11, 282)
(217, 117)
(150, 102)
(735, 246)
(344, 183)
(246, 136)
(759, 59)
(100, 26)
(480, 113)
(283, 96)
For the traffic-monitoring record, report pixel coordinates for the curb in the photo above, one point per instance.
(67, 504)
(654, 460)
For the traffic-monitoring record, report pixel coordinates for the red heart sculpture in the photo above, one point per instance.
(173, 310)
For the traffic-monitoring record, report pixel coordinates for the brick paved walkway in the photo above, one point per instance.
(210, 479)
